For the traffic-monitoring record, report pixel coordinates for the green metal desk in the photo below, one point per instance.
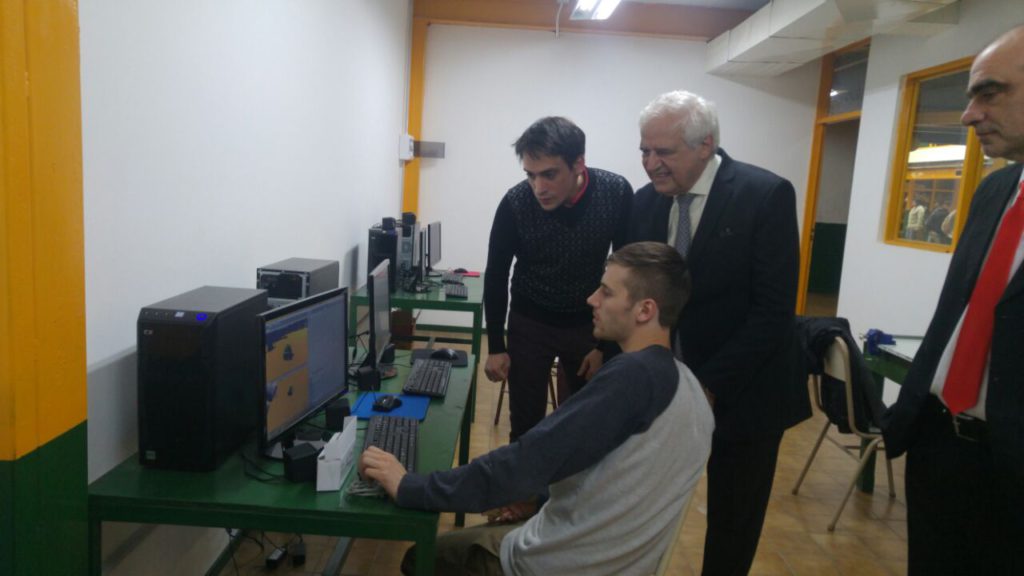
(227, 497)
(434, 299)
(892, 362)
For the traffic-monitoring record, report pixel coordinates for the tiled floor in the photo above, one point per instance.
(870, 538)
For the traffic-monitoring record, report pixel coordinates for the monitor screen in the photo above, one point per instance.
(305, 362)
(421, 255)
(380, 312)
(433, 243)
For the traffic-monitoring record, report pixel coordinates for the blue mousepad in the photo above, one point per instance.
(460, 362)
(412, 406)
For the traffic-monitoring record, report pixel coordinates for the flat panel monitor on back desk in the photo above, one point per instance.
(379, 350)
(433, 244)
(305, 364)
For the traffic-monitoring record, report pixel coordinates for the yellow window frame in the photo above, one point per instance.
(970, 172)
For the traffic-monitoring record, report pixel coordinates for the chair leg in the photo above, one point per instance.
(853, 481)
(501, 397)
(807, 466)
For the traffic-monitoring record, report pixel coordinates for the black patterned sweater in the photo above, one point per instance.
(559, 255)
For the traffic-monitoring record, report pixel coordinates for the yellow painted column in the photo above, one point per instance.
(42, 294)
(411, 175)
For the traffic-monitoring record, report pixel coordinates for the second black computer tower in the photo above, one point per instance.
(199, 371)
(296, 278)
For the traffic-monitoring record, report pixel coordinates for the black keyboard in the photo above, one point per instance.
(429, 377)
(456, 291)
(449, 277)
(396, 435)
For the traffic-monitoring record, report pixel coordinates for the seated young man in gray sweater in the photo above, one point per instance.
(618, 459)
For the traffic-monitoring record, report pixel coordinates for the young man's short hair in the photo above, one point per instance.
(658, 272)
(552, 136)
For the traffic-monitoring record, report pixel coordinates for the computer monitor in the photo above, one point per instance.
(433, 244)
(380, 313)
(420, 251)
(304, 363)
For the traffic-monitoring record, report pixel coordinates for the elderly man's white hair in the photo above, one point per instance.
(697, 117)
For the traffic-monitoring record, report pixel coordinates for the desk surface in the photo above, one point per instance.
(904, 347)
(434, 298)
(894, 360)
(227, 497)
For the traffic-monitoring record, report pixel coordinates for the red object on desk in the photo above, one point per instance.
(471, 274)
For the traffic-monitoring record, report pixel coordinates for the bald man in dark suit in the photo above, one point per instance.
(960, 412)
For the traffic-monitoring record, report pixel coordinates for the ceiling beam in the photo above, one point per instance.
(631, 18)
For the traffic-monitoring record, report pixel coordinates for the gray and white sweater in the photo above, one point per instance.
(620, 458)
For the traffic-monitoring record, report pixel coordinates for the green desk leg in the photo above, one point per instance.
(426, 551)
(478, 322)
(460, 518)
(866, 482)
(95, 547)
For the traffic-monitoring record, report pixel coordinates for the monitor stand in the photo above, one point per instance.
(386, 367)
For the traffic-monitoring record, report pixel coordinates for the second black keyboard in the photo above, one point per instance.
(396, 435)
(429, 377)
(456, 291)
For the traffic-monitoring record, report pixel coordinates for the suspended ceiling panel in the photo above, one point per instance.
(785, 34)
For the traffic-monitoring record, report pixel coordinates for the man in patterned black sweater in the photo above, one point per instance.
(558, 225)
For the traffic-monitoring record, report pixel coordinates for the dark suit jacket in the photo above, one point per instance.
(1004, 408)
(737, 331)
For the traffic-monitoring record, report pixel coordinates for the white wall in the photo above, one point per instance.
(219, 137)
(484, 86)
(889, 287)
(896, 288)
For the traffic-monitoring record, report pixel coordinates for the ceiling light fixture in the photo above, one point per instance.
(594, 9)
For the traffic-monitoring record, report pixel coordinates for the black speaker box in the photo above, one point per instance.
(336, 413)
(300, 463)
(368, 379)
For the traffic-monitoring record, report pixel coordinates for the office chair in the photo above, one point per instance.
(837, 365)
(552, 397)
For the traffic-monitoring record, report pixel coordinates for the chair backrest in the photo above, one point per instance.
(666, 556)
(837, 365)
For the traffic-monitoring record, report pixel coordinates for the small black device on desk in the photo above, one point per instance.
(445, 354)
(460, 361)
(386, 403)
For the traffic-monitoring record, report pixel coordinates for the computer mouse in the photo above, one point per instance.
(445, 354)
(386, 403)
(459, 271)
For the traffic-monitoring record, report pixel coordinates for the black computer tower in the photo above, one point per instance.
(296, 278)
(383, 245)
(199, 372)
